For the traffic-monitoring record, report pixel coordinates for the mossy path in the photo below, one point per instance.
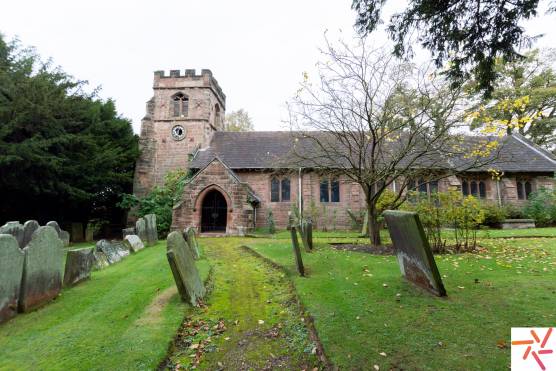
(251, 319)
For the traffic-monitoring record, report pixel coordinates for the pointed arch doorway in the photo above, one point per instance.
(214, 212)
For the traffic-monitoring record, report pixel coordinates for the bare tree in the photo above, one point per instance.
(380, 123)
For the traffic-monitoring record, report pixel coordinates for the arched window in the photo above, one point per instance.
(274, 190)
(528, 189)
(482, 190)
(524, 189)
(285, 189)
(180, 105)
(474, 188)
(280, 189)
(465, 188)
(324, 196)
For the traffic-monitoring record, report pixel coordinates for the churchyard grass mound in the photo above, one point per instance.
(366, 314)
(124, 317)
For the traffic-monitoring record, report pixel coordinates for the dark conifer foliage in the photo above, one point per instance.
(65, 154)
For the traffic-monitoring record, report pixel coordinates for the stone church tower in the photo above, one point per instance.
(181, 117)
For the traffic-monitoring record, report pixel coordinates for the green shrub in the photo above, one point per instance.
(271, 223)
(541, 207)
(494, 214)
(159, 201)
(514, 212)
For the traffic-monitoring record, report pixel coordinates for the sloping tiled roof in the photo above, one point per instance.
(267, 149)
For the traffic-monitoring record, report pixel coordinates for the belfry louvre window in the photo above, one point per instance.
(524, 189)
(476, 188)
(330, 190)
(280, 189)
(180, 105)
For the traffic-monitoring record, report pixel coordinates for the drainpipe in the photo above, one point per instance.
(498, 189)
(300, 195)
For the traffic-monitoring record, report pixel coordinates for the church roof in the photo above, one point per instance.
(267, 150)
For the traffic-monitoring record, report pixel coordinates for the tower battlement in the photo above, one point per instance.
(176, 79)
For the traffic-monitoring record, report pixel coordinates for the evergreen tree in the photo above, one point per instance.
(64, 153)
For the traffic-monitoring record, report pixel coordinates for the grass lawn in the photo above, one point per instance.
(358, 314)
(123, 318)
(483, 233)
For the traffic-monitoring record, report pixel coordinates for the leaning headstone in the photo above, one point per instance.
(78, 266)
(113, 250)
(141, 229)
(297, 251)
(152, 233)
(29, 228)
(186, 276)
(42, 269)
(65, 237)
(77, 232)
(128, 231)
(191, 239)
(414, 254)
(16, 230)
(133, 242)
(11, 269)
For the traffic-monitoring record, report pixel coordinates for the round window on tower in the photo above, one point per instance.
(178, 132)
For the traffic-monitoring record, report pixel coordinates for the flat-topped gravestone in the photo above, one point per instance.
(78, 266)
(77, 232)
(11, 269)
(414, 254)
(113, 250)
(128, 231)
(29, 228)
(89, 233)
(16, 230)
(152, 233)
(141, 229)
(191, 239)
(185, 273)
(133, 242)
(42, 269)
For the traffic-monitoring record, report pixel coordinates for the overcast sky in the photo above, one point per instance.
(257, 50)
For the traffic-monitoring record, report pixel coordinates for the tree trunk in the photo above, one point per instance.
(374, 225)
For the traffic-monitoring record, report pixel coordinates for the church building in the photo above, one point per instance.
(237, 179)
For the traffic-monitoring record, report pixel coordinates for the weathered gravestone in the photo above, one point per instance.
(185, 273)
(128, 231)
(113, 250)
(100, 260)
(11, 269)
(29, 228)
(78, 266)
(141, 229)
(77, 232)
(62, 235)
(414, 254)
(191, 239)
(65, 237)
(297, 251)
(16, 230)
(89, 233)
(306, 231)
(42, 269)
(152, 233)
(133, 243)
